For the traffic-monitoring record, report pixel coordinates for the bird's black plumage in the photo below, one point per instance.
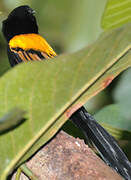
(21, 27)
(20, 21)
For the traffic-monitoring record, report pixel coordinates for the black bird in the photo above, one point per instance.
(20, 30)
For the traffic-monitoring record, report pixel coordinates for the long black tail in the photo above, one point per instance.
(106, 145)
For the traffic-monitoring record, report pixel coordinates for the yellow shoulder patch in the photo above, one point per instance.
(32, 41)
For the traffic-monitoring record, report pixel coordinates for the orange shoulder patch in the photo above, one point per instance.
(32, 41)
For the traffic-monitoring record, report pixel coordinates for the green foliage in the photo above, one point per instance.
(117, 13)
(46, 89)
(122, 94)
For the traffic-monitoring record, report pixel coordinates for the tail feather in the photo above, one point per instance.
(106, 145)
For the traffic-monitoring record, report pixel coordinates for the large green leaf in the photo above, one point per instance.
(117, 13)
(47, 89)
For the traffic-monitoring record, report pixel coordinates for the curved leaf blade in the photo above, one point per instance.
(47, 89)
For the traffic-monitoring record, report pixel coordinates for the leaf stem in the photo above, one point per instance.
(18, 173)
(28, 172)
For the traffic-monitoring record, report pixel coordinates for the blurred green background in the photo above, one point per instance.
(69, 25)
